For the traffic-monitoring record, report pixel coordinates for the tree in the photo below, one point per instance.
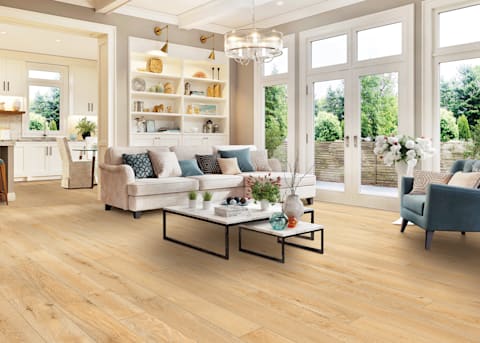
(327, 127)
(463, 128)
(47, 106)
(448, 126)
(473, 149)
(333, 103)
(275, 117)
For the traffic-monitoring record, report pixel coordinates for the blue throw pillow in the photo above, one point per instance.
(141, 165)
(190, 168)
(243, 158)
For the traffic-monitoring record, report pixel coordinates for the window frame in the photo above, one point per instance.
(62, 84)
(260, 82)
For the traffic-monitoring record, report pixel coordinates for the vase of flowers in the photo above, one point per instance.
(264, 189)
(293, 206)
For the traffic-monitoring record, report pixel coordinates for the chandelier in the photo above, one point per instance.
(253, 44)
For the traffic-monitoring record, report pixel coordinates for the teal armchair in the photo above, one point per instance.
(444, 207)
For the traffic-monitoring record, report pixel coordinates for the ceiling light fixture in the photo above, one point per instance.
(158, 31)
(204, 39)
(253, 44)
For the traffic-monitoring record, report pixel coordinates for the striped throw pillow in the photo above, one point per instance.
(421, 180)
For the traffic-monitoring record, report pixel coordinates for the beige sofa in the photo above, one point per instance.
(120, 189)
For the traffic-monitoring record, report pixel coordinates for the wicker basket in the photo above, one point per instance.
(155, 65)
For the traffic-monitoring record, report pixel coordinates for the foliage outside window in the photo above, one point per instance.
(276, 111)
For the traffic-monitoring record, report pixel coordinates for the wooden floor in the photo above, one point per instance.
(69, 271)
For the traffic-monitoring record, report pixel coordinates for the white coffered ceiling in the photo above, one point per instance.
(218, 16)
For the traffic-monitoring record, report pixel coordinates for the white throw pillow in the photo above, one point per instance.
(260, 160)
(467, 180)
(165, 164)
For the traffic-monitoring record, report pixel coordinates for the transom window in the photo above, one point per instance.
(379, 42)
(459, 26)
(329, 51)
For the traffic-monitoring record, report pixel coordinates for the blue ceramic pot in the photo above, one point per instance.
(278, 220)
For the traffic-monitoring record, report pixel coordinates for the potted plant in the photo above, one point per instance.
(207, 200)
(264, 189)
(192, 199)
(86, 127)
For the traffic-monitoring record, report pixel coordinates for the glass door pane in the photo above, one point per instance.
(44, 108)
(379, 116)
(276, 122)
(329, 150)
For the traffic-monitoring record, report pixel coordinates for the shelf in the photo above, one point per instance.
(156, 133)
(156, 95)
(204, 134)
(203, 98)
(156, 114)
(186, 115)
(154, 75)
(12, 112)
(201, 79)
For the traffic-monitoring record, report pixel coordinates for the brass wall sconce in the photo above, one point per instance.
(158, 31)
(204, 39)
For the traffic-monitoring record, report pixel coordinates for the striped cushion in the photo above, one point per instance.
(423, 178)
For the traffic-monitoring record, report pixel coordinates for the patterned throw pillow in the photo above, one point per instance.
(141, 165)
(423, 178)
(208, 164)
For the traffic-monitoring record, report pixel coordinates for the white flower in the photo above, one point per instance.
(409, 144)
(392, 140)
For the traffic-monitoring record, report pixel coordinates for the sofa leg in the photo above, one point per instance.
(137, 214)
(404, 225)
(108, 207)
(428, 239)
(463, 233)
(310, 201)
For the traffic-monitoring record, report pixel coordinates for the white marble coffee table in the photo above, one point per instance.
(254, 214)
(265, 228)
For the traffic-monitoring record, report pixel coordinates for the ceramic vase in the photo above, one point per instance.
(207, 205)
(293, 206)
(264, 204)
(278, 220)
(192, 203)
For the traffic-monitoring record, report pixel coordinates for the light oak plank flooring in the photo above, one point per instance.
(72, 272)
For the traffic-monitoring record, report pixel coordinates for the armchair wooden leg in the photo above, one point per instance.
(463, 233)
(108, 207)
(404, 224)
(428, 239)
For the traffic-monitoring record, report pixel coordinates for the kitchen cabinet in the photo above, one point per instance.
(37, 161)
(159, 139)
(85, 90)
(13, 77)
(205, 139)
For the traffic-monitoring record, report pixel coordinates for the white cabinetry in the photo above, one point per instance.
(12, 77)
(37, 161)
(85, 90)
(173, 106)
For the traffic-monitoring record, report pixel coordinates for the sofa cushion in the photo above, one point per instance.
(217, 148)
(162, 185)
(423, 178)
(308, 180)
(113, 155)
(140, 163)
(414, 203)
(217, 181)
(260, 160)
(467, 180)
(468, 166)
(229, 166)
(208, 164)
(165, 163)
(476, 166)
(243, 158)
(188, 152)
(190, 168)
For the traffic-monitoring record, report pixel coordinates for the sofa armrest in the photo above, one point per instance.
(275, 164)
(114, 180)
(452, 208)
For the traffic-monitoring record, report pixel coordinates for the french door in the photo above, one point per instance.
(347, 110)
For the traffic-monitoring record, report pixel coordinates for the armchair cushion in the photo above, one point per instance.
(423, 178)
(467, 180)
(415, 203)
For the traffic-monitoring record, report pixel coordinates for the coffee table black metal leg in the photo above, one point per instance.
(304, 247)
(310, 237)
(251, 252)
(188, 245)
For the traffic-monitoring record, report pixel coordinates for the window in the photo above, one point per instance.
(460, 26)
(47, 90)
(329, 51)
(278, 65)
(379, 42)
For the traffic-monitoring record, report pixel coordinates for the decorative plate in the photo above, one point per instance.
(138, 84)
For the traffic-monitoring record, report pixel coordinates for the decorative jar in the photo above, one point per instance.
(278, 220)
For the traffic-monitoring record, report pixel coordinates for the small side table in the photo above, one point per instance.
(93, 151)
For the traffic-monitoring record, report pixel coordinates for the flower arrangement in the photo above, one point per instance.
(263, 188)
(402, 148)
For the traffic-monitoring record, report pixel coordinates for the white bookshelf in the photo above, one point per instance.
(182, 116)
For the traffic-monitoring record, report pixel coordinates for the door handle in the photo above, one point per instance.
(8, 86)
(46, 151)
(4, 89)
(347, 141)
(51, 151)
(355, 141)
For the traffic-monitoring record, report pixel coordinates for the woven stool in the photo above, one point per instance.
(3, 181)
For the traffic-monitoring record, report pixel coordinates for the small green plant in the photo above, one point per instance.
(86, 127)
(207, 196)
(464, 132)
(264, 188)
(192, 195)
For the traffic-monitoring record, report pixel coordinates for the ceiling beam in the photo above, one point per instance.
(208, 13)
(108, 6)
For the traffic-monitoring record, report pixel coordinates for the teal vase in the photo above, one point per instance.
(278, 220)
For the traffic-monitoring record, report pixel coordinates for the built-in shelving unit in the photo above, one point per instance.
(172, 107)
